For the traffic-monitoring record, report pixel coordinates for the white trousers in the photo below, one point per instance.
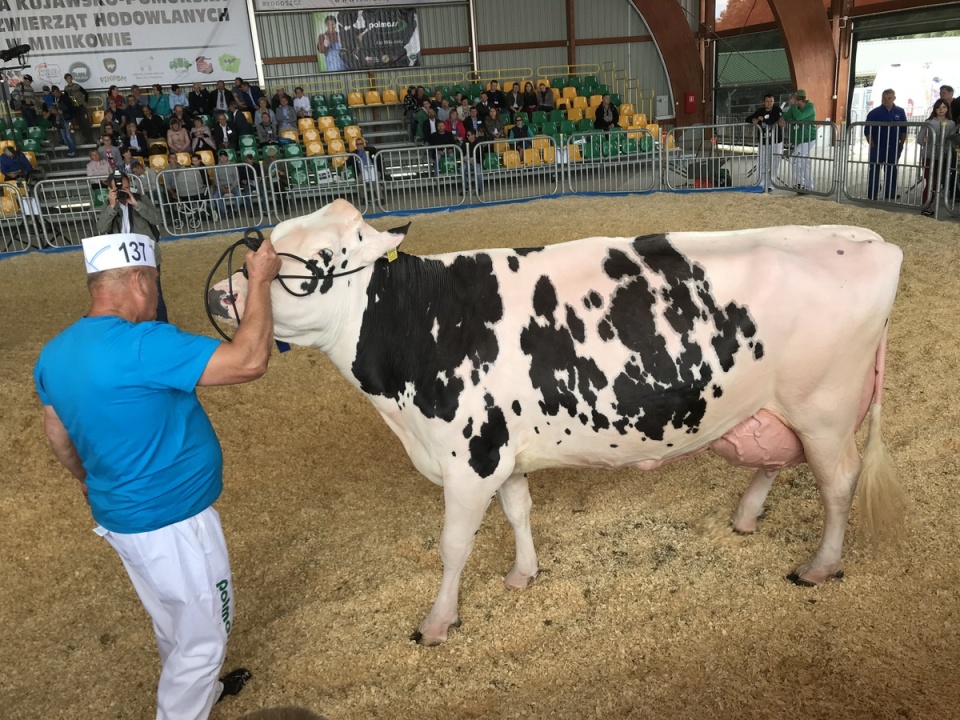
(182, 574)
(768, 163)
(800, 158)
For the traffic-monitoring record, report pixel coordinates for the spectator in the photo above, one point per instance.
(109, 119)
(470, 159)
(190, 184)
(251, 179)
(429, 126)
(493, 125)
(152, 491)
(275, 101)
(159, 103)
(531, 103)
(178, 139)
(607, 115)
(180, 113)
(495, 95)
(148, 180)
(473, 122)
(126, 162)
(513, 102)
(110, 152)
(436, 102)
(198, 100)
(114, 94)
(946, 93)
(249, 96)
(133, 112)
(545, 98)
(457, 100)
(463, 110)
(483, 105)
(266, 130)
(226, 185)
(411, 107)
(265, 108)
(46, 98)
(152, 126)
(79, 96)
(520, 131)
(802, 136)
(98, 169)
(142, 99)
(444, 112)
(14, 165)
(767, 118)
(365, 159)
(177, 97)
(330, 46)
(110, 129)
(441, 137)
(135, 141)
(61, 112)
(237, 119)
(200, 137)
(421, 118)
(456, 127)
(224, 136)
(886, 144)
(220, 98)
(23, 97)
(935, 151)
(301, 103)
(286, 115)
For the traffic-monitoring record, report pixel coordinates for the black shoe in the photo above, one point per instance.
(927, 212)
(234, 681)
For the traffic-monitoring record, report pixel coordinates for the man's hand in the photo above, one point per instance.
(112, 197)
(131, 199)
(264, 264)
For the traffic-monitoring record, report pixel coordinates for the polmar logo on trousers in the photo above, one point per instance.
(110, 64)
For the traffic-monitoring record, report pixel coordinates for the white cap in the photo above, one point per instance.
(108, 252)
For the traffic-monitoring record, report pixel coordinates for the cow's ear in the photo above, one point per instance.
(373, 244)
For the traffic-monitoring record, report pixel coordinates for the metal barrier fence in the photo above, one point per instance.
(68, 208)
(420, 178)
(17, 228)
(883, 164)
(299, 186)
(220, 198)
(611, 162)
(515, 169)
(711, 157)
(806, 160)
(951, 181)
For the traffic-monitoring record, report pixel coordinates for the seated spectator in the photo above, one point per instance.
(545, 98)
(14, 165)
(442, 136)
(109, 119)
(457, 100)
(483, 105)
(220, 98)
(275, 101)
(109, 151)
(98, 169)
(429, 126)
(456, 127)
(463, 110)
(198, 100)
(248, 96)
(200, 137)
(152, 126)
(531, 103)
(178, 139)
(126, 161)
(109, 130)
(223, 135)
(225, 189)
(444, 112)
(436, 102)
(158, 102)
(520, 131)
(133, 112)
(286, 115)
(266, 130)
(180, 113)
(114, 94)
(191, 184)
(473, 122)
(264, 107)
(134, 141)
(142, 99)
(513, 101)
(607, 115)
(365, 159)
(493, 125)
(177, 97)
(495, 95)
(237, 119)
(301, 103)
(149, 180)
(250, 180)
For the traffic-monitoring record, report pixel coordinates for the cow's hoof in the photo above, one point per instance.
(432, 641)
(803, 582)
(516, 580)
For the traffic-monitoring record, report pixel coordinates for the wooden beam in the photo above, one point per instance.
(841, 32)
(708, 26)
(810, 50)
(571, 34)
(625, 40)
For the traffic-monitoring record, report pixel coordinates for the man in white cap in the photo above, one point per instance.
(122, 415)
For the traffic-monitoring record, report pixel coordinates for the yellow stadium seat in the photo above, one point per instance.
(591, 112)
(158, 162)
(626, 109)
(390, 97)
(314, 147)
(354, 99)
(556, 95)
(596, 99)
(501, 147)
(306, 123)
(372, 97)
(403, 94)
(311, 135)
(511, 159)
(531, 156)
(249, 116)
(207, 158)
(545, 81)
(540, 142)
(654, 130)
(8, 203)
(563, 103)
(569, 92)
(573, 153)
(352, 143)
(8, 143)
(336, 146)
(574, 114)
(549, 154)
(330, 134)
(624, 121)
(351, 132)
(291, 135)
(506, 130)
(580, 102)
(639, 120)
(326, 122)
(183, 159)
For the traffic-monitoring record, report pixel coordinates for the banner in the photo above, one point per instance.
(131, 42)
(366, 39)
(289, 5)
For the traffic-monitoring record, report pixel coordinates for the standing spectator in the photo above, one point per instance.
(545, 98)
(79, 96)
(803, 136)
(607, 115)
(946, 93)
(110, 152)
(531, 103)
(152, 126)
(495, 95)
(470, 160)
(177, 97)
(98, 169)
(421, 118)
(520, 131)
(301, 103)
(934, 152)
(133, 111)
(199, 100)
(178, 139)
(330, 45)
(159, 103)
(61, 113)
(151, 487)
(224, 136)
(767, 118)
(220, 98)
(286, 115)
(134, 141)
(14, 165)
(493, 125)
(266, 130)
(24, 98)
(886, 144)
(46, 99)
(200, 137)
(411, 106)
(237, 119)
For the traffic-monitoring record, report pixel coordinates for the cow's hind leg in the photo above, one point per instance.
(465, 502)
(836, 467)
(514, 496)
(751, 503)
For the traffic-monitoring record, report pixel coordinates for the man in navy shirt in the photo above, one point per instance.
(886, 144)
(122, 415)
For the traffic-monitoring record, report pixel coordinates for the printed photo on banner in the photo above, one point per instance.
(366, 39)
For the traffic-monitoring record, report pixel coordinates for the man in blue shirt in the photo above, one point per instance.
(14, 165)
(886, 144)
(122, 415)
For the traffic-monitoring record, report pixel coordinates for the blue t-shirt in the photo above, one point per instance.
(126, 394)
(886, 137)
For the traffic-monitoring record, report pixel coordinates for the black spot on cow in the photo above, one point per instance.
(544, 298)
(758, 351)
(618, 265)
(485, 447)
(576, 326)
(839, 252)
(595, 299)
(717, 391)
(468, 429)
(513, 263)
(475, 376)
(405, 300)
(605, 330)
(536, 429)
(566, 431)
(614, 446)
(523, 252)
(516, 408)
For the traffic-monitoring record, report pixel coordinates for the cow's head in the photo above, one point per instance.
(314, 295)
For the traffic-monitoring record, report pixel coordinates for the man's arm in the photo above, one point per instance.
(62, 446)
(246, 358)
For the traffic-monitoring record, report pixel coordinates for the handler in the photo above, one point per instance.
(122, 415)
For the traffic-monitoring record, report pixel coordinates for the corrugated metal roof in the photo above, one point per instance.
(753, 67)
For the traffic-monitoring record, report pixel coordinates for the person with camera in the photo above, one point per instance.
(60, 112)
(127, 212)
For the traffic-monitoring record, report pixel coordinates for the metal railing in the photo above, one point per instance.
(806, 160)
(419, 178)
(951, 182)
(17, 228)
(205, 199)
(712, 157)
(883, 165)
(611, 162)
(67, 208)
(303, 185)
(519, 169)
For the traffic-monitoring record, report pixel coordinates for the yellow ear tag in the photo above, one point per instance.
(391, 255)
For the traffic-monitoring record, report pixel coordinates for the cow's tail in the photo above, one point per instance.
(883, 501)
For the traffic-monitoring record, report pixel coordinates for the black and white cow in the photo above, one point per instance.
(764, 346)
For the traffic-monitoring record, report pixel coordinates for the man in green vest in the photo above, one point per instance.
(802, 135)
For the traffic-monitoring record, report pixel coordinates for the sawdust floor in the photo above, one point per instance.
(639, 611)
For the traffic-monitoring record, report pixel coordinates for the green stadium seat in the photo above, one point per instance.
(320, 111)
(601, 90)
(585, 125)
(615, 100)
(459, 89)
(291, 150)
(318, 101)
(557, 116)
(37, 133)
(539, 117)
(568, 127)
(548, 128)
(29, 145)
(474, 90)
(231, 154)
(343, 120)
(338, 99)
(558, 82)
(491, 161)
(20, 124)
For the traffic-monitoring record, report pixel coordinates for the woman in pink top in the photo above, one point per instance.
(178, 139)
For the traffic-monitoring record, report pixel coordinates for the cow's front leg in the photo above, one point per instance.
(751, 504)
(465, 502)
(514, 496)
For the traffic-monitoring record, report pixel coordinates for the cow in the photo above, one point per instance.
(763, 346)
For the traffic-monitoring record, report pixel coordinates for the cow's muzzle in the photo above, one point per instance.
(218, 301)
